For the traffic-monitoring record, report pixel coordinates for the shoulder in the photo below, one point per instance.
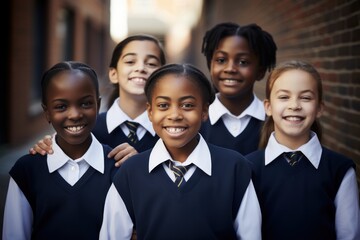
(226, 155)
(139, 160)
(29, 163)
(336, 157)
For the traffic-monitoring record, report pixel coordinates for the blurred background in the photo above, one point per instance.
(39, 33)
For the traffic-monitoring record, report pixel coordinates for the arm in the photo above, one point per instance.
(347, 208)
(18, 216)
(117, 223)
(248, 219)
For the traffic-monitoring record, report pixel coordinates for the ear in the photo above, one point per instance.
(113, 76)
(46, 112)
(205, 112)
(149, 111)
(320, 110)
(267, 107)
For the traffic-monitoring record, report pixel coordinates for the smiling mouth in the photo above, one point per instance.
(75, 129)
(138, 80)
(175, 130)
(294, 118)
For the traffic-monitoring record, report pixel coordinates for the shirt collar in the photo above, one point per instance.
(312, 150)
(94, 156)
(115, 117)
(255, 109)
(200, 156)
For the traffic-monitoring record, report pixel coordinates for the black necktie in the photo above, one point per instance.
(293, 157)
(132, 126)
(179, 172)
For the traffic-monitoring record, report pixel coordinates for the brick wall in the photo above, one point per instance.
(325, 33)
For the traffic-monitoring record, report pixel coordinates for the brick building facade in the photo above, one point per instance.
(325, 33)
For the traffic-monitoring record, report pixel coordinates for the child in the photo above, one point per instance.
(61, 196)
(215, 198)
(132, 62)
(237, 57)
(315, 197)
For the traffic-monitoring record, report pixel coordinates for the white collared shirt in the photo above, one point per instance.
(18, 215)
(116, 117)
(117, 223)
(347, 221)
(236, 124)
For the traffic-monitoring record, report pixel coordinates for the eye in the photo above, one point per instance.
(220, 60)
(153, 64)
(60, 107)
(306, 98)
(162, 106)
(87, 104)
(243, 62)
(187, 106)
(283, 97)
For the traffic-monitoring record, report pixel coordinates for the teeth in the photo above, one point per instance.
(75, 129)
(138, 80)
(175, 130)
(229, 80)
(293, 118)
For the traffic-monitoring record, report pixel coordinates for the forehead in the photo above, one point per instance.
(71, 81)
(234, 42)
(144, 47)
(176, 84)
(295, 79)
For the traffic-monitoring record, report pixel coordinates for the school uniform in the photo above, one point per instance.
(54, 197)
(317, 198)
(217, 201)
(110, 129)
(240, 133)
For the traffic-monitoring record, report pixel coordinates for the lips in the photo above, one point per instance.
(293, 118)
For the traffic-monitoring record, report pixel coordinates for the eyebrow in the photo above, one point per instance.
(148, 56)
(181, 99)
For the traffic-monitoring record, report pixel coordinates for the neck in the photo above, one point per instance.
(236, 105)
(134, 106)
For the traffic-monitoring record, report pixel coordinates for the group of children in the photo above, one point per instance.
(194, 170)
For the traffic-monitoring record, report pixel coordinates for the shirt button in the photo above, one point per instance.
(72, 168)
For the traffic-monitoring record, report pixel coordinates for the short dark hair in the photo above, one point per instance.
(260, 42)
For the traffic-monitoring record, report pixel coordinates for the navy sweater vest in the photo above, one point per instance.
(62, 211)
(117, 136)
(298, 202)
(245, 143)
(204, 208)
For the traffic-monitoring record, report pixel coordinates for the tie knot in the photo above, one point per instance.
(293, 157)
(132, 126)
(179, 172)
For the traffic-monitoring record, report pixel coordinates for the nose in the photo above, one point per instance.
(294, 105)
(230, 67)
(140, 67)
(175, 114)
(75, 113)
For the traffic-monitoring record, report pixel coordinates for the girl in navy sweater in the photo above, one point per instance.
(132, 62)
(237, 57)
(305, 190)
(61, 196)
(213, 195)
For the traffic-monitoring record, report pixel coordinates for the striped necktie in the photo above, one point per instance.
(293, 157)
(179, 172)
(132, 126)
